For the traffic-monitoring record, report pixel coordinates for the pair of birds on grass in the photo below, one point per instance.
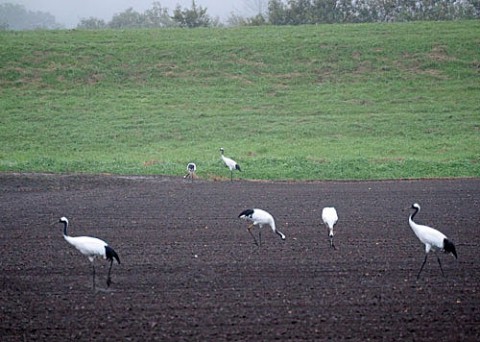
(432, 239)
(229, 163)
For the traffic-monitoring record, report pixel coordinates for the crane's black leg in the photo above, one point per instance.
(331, 243)
(109, 280)
(423, 264)
(93, 274)
(439, 263)
(260, 237)
(253, 236)
(231, 175)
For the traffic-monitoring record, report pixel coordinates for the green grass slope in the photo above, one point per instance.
(365, 101)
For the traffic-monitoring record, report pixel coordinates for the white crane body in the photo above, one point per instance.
(92, 248)
(330, 218)
(431, 238)
(230, 163)
(89, 246)
(191, 168)
(260, 217)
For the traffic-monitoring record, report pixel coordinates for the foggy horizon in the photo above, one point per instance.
(70, 14)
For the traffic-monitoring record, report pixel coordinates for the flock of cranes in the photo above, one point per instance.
(93, 248)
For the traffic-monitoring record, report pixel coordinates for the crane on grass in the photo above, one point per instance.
(191, 169)
(230, 163)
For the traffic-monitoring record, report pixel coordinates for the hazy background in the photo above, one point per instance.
(70, 12)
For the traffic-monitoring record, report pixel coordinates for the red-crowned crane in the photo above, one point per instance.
(432, 238)
(259, 217)
(330, 218)
(230, 163)
(191, 168)
(92, 248)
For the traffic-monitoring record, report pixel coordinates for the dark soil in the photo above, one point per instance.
(190, 270)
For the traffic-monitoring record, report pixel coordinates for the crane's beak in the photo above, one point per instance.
(454, 253)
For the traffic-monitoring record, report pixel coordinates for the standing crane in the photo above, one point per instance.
(259, 217)
(191, 168)
(330, 218)
(230, 163)
(92, 248)
(432, 238)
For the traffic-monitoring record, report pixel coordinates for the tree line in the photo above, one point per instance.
(17, 17)
(270, 12)
(157, 16)
(299, 12)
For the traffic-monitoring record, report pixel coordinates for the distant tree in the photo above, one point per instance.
(277, 12)
(444, 9)
(193, 17)
(257, 7)
(324, 11)
(158, 16)
(476, 7)
(17, 17)
(127, 19)
(257, 20)
(91, 24)
(236, 20)
(299, 12)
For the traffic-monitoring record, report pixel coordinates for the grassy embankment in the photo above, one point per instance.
(370, 101)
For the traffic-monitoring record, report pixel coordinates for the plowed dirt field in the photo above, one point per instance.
(191, 272)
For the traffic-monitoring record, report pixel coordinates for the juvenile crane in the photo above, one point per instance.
(92, 248)
(259, 217)
(230, 163)
(330, 218)
(432, 238)
(191, 168)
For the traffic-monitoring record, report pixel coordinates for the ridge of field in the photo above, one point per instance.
(357, 101)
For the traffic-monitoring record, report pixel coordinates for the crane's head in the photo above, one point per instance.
(246, 214)
(222, 149)
(416, 206)
(63, 219)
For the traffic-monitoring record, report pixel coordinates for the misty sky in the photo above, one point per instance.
(70, 12)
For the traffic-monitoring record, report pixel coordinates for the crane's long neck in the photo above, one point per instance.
(272, 224)
(330, 231)
(65, 225)
(413, 225)
(274, 228)
(414, 213)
